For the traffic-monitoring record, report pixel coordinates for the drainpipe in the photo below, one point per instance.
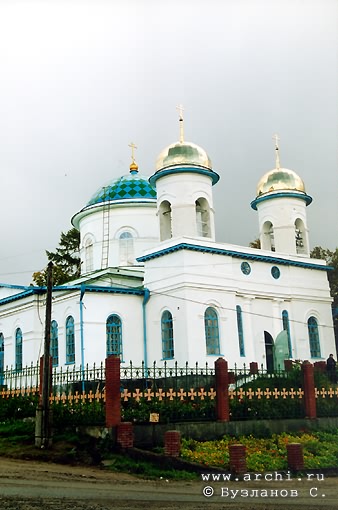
(82, 292)
(145, 301)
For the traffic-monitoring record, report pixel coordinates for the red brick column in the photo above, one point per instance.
(288, 365)
(320, 366)
(172, 443)
(41, 377)
(253, 367)
(237, 458)
(295, 456)
(125, 435)
(222, 391)
(113, 391)
(309, 390)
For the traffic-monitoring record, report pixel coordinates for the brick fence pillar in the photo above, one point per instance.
(320, 366)
(295, 456)
(113, 391)
(222, 390)
(172, 443)
(309, 390)
(125, 435)
(253, 367)
(288, 365)
(237, 458)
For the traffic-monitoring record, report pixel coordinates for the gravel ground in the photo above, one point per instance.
(30, 485)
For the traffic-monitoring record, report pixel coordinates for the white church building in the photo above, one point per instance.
(156, 285)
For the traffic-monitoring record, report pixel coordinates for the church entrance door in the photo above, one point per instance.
(269, 352)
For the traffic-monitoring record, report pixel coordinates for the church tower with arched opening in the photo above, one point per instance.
(281, 204)
(184, 178)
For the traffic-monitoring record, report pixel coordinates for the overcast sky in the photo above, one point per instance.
(82, 79)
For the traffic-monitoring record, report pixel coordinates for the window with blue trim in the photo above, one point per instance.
(286, 327)
(114, 336)
(70, 340)
(167, 332)
(54, 343)
(240, 330)
(211, 331)
(312, 325)
(18, 349)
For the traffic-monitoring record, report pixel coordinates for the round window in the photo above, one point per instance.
(275, 272)
(245, 268)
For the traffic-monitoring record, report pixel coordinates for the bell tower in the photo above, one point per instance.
(184, 178)
(281, 204)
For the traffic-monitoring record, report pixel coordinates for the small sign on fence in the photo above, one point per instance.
(154, 418)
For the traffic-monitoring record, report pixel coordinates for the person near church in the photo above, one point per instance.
(331, 368)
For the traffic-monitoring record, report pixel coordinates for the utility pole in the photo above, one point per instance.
(43, 422)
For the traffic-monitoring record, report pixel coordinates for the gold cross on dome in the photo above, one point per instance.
(180, 110)
(132, 146)
(276, 138)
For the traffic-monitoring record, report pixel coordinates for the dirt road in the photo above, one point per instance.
(26, 485)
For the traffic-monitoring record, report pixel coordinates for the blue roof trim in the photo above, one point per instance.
(99, 288)
(231, 253)
(21, 295)
(269, 196)
(86, 288)
(184, 169)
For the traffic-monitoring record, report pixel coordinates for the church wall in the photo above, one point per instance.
(283, 213)
(207, 278)
(26, 315)
(140, 221)
(181, 191)
(98, 307)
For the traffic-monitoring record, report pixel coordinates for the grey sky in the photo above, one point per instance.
(80, 80)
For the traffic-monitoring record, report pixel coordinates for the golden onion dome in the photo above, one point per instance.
(280, 179)
(183, 153)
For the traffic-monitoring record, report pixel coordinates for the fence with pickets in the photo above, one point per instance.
(172, 393)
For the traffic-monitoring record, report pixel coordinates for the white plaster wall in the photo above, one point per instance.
(282, 212)
(26, 315)
(203, 279)
(138, 219)
(182, 190)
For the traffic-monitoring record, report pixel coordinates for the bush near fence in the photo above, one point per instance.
(263, 395)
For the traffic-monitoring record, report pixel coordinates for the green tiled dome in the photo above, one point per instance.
(128, 187)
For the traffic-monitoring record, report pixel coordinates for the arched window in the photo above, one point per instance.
(167, 335)
(54, 343)
(18, 349)
(114, 336)
(240, 330)
(126, 249)
(202, 217)
(300, 237)
(70, 340)
(89, 255)
(165, 220)
(286, 327)
(211, 331)
(2, 352)
(312, 325)
(268, 239)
